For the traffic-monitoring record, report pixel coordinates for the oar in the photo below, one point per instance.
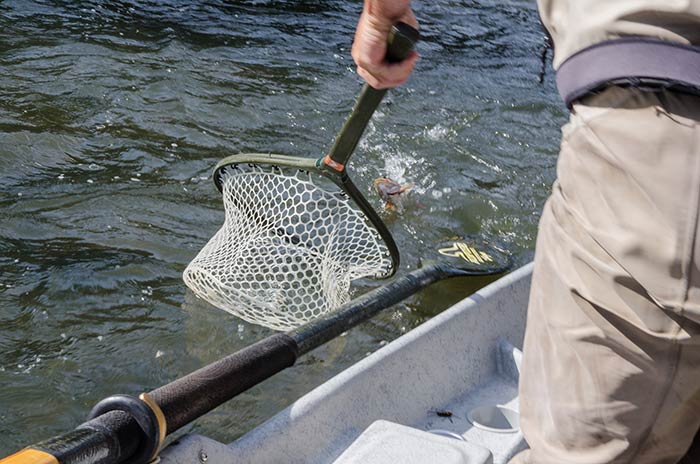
(126, 429)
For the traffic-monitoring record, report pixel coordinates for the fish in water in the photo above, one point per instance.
(390, 191)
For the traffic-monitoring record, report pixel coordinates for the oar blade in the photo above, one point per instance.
(472, 256)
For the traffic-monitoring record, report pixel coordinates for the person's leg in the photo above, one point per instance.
(611, 367)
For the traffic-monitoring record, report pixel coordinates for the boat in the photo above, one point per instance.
(445, 392)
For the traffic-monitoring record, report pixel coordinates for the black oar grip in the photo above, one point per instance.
(189, 397)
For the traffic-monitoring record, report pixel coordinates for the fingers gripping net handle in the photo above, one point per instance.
(288, 248)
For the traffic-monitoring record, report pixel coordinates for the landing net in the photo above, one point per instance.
(288, 248)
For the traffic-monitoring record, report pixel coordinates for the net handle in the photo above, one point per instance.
(402, 38)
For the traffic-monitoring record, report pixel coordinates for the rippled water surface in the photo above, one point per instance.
(112, 115)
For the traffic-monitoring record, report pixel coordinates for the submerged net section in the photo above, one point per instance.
(288, 248)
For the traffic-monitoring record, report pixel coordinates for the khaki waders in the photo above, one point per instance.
(611, 367)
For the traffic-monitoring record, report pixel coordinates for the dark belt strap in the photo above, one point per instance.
(630, 60)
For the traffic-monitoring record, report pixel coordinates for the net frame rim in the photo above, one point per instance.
(315, 165)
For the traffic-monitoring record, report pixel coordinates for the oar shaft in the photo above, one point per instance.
(189, 397)
(114, 437)
(108, 439)
(326, 328)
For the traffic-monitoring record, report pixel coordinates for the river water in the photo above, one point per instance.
(112, 115)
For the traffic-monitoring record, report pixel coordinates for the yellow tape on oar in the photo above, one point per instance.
(30, 456)
(466, 252)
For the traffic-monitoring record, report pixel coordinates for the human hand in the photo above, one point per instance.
(369, 47)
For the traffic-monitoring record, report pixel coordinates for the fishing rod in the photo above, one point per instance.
(124, 428)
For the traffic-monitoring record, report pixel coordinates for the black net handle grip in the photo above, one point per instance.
(401, 41)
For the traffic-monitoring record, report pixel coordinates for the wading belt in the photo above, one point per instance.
(632, 61)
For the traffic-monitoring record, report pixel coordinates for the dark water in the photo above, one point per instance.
(112, 115)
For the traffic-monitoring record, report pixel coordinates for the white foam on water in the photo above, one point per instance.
(438, 132)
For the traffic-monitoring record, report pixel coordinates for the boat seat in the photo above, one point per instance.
(386, 442)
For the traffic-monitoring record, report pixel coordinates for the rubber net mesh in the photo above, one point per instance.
(287, 251)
